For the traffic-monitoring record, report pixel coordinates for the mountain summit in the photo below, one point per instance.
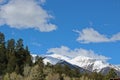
(90, 64)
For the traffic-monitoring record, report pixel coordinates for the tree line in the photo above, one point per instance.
(16, 64)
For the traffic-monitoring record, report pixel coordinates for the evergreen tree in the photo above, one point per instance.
(27, 56)
(11, 65)
(19, 44)
(13, 56)
(23, 56)
(11, 45)
(3, 59)
(2, 40)
(10, 53)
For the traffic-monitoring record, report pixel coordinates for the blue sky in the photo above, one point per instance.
(74, 24)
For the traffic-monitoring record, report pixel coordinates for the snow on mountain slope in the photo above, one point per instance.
(80, 61)
(89, 63)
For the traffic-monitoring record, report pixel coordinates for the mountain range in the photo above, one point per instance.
(85, 64)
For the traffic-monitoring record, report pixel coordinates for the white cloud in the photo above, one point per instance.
(89, 35)
(23, 14)
(115, 37)
(65, 51)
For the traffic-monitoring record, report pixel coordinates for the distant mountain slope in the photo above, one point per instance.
(82, 70)
(84, 63)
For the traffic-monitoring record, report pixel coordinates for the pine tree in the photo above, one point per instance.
(3, 59)
(27, 57)
(11, 45)
(11, 65)
(23, 55)
(19, 44)
(2, 40)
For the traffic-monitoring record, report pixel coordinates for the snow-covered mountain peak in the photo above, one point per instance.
(81, 61)
(88, 63)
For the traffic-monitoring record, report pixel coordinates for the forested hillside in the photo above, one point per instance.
(16, 64)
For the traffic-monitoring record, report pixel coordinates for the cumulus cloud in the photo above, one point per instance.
(23, 14)
(65, 51)
(89, 35)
